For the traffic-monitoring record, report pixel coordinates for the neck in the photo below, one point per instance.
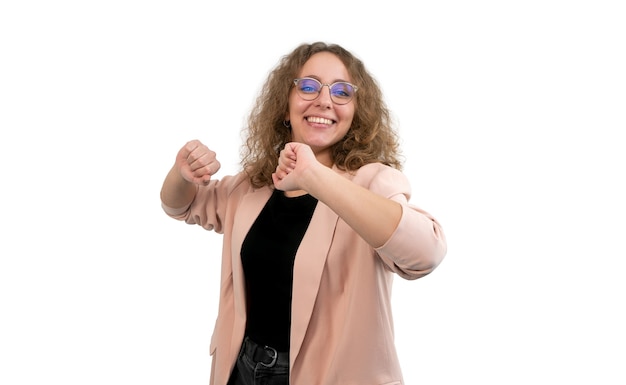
(296, 193)
(324, 158)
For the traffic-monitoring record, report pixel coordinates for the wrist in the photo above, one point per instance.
(313, 179)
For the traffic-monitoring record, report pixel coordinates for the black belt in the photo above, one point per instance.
(265, 355)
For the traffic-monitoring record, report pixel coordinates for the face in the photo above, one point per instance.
(320, 123)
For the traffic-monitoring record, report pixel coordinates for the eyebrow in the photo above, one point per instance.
(320, 80)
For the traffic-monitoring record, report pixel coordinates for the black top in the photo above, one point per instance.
(267, 254)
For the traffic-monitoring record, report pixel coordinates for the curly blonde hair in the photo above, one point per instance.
(370, 138)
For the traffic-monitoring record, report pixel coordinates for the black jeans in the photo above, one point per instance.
(260, 365)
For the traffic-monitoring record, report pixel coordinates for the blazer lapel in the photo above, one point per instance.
(308, 266)
(307, 274)
(247, 212)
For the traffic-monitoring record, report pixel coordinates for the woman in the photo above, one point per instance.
(314, 228)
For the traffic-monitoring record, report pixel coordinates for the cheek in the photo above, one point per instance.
(295, 106)
(347, 115)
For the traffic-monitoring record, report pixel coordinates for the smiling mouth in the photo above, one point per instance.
(317, 119)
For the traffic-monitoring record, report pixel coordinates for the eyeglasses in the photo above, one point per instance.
(340, 92)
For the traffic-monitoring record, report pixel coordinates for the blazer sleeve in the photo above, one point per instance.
(418, 244)
(208, 209)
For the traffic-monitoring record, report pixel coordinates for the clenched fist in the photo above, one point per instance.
(294, 162)
(197, 163)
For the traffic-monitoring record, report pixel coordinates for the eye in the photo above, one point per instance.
(342, 90)
(308, 86)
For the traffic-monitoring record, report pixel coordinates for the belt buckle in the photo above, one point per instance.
(274, 355)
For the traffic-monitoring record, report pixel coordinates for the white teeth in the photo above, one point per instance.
(316, 119)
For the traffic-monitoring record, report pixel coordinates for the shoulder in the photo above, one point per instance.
(226, 188)
(381, 179)
(377, 174)
(237, 182)
(230, 183)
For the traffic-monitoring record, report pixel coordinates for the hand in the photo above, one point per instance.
(197, 163)
(294, 162)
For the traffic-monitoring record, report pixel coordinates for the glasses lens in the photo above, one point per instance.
(308, 88)
(341, 92)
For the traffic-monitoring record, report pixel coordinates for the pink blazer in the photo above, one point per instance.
(342, 326)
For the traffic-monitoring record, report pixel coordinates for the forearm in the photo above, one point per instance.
(177, 192)
(372, 216)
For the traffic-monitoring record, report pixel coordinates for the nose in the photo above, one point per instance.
(324, 99)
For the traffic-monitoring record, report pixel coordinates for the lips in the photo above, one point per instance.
(319, 120)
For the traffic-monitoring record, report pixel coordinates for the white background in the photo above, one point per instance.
(512, 116)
